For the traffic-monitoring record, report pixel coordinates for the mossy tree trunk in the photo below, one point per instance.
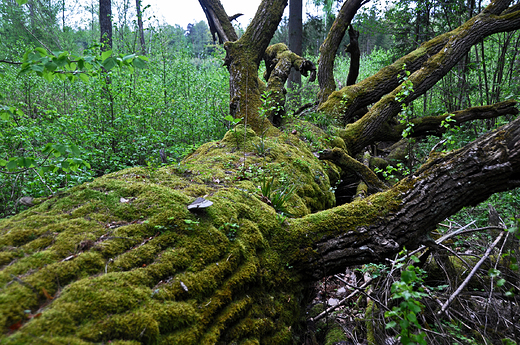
(244, 55)
(497, 17)
(366, 130)
(122, 259)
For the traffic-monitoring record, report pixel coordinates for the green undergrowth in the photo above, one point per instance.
(122, 259)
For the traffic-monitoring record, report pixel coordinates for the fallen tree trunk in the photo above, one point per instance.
(122, 258)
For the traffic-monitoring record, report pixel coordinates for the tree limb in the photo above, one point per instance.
(377, 227)
(497, 17)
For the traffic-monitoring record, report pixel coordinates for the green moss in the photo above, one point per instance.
(115, 259)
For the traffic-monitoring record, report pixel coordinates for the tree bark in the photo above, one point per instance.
(295, 38)
(190, 277)
(330, 46)
(355, 56)
(105, 24)
(123, 259)
(218, 21)
(243, 58)
(140, 26)
(279, 62)
(345, 103)
(362, 133)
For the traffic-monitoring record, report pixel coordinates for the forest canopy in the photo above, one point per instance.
(345, 178)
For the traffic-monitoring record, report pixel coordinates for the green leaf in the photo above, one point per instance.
(5, 115)
(60, 150)
(51, 66)
(139, 62)
(128, 57)
(65, 166)
(25, 162)
(408, 276)
(105, 55)
(501, 282)
(21, 2)
(48, 76)
(75, 150)
(61, 61)
(84, 77)
(411, 317)
(12, 164)
(109, 63)
(37, 68)
(3, 162)
(391, 324)
(41, 50)
(493, 272)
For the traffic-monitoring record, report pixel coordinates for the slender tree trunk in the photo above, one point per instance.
(140, 26)
(105, 24)
(330, 46)
(295, 39)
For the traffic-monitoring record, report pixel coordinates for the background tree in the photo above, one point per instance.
(295, 38)
(105, 23)
(140, 26)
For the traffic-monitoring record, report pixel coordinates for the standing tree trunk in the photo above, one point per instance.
(295, 39)
(105, 24)
(330, 46)
(140, 26)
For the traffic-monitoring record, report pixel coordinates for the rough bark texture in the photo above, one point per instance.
(122, 259)
(330, 46)
(295, 38)
(219, 22)
(105, 24)
(363, 132)
(431, 125)
(414, 206)
(279, 62)
(243, 58)
(355, 55)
